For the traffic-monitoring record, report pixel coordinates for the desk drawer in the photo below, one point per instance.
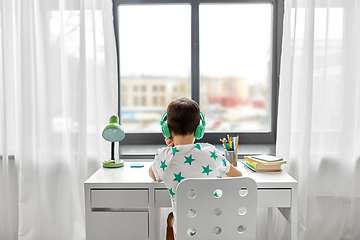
(162, 198)
(117, 225)
(123, 198)
(274, 197)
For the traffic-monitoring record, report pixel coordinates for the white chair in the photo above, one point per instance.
(216, 208)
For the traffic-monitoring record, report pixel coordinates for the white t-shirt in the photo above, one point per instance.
(200, 160)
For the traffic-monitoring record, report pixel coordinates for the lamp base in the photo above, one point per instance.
(113, 164)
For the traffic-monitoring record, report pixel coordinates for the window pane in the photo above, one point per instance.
(155, 48)
(235, 66)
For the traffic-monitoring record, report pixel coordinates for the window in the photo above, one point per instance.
(235, 54)
(224, 55)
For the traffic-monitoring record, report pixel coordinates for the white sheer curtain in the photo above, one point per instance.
(319, 116)
(58, 88)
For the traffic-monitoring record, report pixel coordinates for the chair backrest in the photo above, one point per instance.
(216, 208)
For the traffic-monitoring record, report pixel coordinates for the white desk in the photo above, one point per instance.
(121, 203)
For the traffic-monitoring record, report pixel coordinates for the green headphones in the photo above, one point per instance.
(199, 132)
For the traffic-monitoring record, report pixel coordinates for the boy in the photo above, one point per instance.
(182, 158)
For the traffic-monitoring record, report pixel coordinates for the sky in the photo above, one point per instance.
(235, 40)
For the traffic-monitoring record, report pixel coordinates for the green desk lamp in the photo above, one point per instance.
(113, 133)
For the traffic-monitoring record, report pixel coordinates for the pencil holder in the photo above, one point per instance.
(231, 156)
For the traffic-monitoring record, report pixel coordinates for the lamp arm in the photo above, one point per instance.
(112, 151)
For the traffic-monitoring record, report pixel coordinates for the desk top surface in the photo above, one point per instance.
(127, 177)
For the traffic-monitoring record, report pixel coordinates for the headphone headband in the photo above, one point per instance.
(163, 118)
(202, 119)
(199, 132)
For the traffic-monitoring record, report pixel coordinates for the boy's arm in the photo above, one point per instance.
(151, 173)
(233, 172)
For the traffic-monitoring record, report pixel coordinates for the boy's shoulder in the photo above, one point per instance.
(206, 145)
(163, 150)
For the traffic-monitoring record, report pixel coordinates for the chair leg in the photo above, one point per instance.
(169, 227)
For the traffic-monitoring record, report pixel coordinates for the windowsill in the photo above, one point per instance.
(148, 151)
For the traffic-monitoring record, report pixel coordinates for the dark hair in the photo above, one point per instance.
(183, 116)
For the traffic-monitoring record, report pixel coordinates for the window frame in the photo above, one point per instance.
(212, 137)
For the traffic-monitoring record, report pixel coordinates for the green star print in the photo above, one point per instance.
(174, 150)
(224, 162)
(171, 192)
(178, 177)
(163, 165)
(189, 159)
(198, 146)
(213, 155)
(207, 170)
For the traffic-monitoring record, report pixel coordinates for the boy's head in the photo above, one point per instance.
(183, 116)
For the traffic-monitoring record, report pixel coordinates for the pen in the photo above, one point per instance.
(237, 142)
(227, 146)
(223, 144)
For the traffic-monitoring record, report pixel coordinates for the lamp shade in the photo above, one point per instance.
(113, 132)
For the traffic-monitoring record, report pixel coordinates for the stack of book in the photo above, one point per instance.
(263, 163)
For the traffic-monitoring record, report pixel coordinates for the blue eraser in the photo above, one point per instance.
(136, 165)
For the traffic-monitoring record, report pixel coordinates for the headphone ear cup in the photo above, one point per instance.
(199, 132)
(165, 130)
